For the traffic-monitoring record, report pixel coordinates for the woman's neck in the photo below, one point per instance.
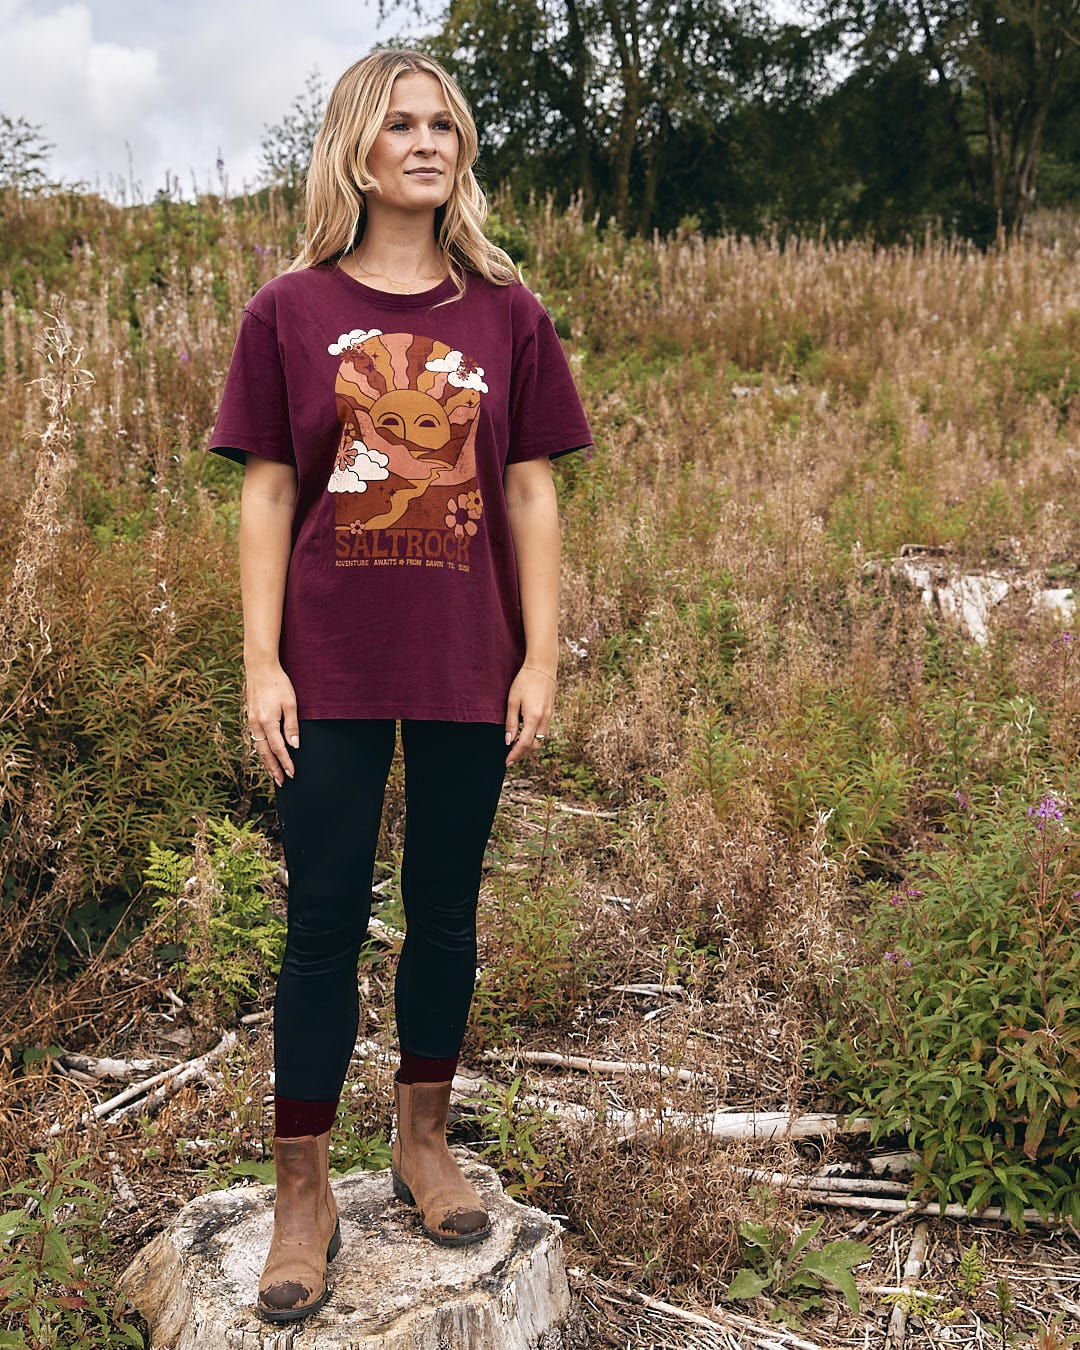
(397, 247)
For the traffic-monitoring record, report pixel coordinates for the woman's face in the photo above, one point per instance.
(415, 153)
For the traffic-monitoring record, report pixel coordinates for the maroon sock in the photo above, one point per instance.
(293, 1118)
(417, 1069)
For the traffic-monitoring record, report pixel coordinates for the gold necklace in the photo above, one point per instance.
(430, 276)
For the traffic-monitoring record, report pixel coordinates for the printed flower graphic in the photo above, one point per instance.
(462, 513)
(463, 373)
(346, 456)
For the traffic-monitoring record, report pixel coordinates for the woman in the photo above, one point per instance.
(396, 396)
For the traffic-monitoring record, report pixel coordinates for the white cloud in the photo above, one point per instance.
(89, 96)
(369, 466)
(353, 339)
(452, 362)
(153, 90)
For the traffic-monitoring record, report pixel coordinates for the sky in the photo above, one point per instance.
(135, 94)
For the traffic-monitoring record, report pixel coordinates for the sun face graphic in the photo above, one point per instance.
(408, 412)
(417, 419)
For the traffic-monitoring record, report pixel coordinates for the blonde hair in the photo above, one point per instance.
(338, 176)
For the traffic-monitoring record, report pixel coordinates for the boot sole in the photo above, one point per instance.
(460, 1240)
(296, 1314)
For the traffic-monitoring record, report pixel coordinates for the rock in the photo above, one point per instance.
(970, 599)
(391, 1288)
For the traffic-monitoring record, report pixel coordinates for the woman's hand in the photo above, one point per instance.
(528, 711)
(271, 702)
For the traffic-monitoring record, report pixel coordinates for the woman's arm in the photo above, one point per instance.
(534, 525)
(266, 512)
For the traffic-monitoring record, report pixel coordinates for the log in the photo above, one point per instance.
(391, 1288)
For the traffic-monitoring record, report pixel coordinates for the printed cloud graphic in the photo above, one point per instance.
(353, 339)
(462, 374)
(368, 466)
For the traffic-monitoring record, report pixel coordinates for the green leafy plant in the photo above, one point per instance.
(916, 1303)
(536, 971)
(781, 1268)
(960, 1026)
(971, 1272)
(54, 1287)
(1052, 1336)
(225, 936)
(835, 753)
(518, 1140)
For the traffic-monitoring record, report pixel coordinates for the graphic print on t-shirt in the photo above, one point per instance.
(404, 475)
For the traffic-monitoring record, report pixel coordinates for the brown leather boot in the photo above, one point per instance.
(306, 1230)
(424, 1171)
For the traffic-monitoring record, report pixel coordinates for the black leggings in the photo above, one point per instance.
(329, 815)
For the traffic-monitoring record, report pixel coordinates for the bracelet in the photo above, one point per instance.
(541, 672)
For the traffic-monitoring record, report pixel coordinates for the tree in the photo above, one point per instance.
(23, 152)
(1000, 64)
(598, 93)
(286, 146)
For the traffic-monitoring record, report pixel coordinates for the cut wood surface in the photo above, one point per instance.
(391, 1288)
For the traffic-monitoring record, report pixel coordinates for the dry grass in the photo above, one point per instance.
(769, 417)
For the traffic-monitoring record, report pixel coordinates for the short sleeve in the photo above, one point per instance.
(546, 416)
(254, 412)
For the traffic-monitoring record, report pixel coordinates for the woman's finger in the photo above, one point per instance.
(526, 741)
(513, 717)
(276, 745)
(260, 741)
(292, 725)
(267, 738)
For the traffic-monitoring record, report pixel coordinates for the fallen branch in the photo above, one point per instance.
(151, 1093)
(884, 1204)
(104, 1067)
(121, 1184)
(383, 932)
(721, 1320)
(609, 1067)
(651, 990)
(913, 1269)
(820, 1182)
(628, 1123)
(585, 811)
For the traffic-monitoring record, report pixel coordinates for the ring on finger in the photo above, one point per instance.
(258, 738)
(538, 737)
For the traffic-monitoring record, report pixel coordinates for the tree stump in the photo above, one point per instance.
(391, 1288)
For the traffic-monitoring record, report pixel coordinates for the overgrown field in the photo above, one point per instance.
(833, 833)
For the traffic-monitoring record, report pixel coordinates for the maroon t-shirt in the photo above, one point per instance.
(400, 416)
